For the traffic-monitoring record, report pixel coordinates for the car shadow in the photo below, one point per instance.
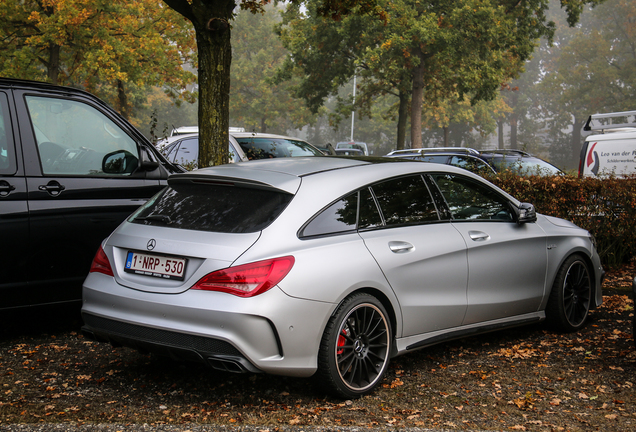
(38, 320)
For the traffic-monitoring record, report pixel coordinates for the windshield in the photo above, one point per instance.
(265, 148)
(526, 166)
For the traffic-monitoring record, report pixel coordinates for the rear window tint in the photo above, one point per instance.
(214, 208)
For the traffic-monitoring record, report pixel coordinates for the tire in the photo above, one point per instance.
(571, 295)
(355, 347)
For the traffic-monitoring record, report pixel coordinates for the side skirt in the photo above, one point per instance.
(421, 341)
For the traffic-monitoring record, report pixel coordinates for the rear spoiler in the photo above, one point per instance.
(602, 122)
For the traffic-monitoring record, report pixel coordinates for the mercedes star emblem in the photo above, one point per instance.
(151, 244)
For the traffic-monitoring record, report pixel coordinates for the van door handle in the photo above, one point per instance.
(54, 188)
(6, 188)
(400, 246)
(478, 235)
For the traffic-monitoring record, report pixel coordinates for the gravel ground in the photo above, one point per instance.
(528, 379)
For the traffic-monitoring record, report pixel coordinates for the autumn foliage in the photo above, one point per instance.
(604, 207)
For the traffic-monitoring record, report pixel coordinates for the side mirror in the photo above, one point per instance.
(526, 213)
(119, 162)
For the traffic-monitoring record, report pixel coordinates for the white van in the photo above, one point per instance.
(612, 149)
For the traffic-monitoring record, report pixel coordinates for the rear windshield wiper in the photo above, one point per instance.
(155, 217)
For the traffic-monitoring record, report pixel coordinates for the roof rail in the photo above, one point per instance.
(448, 149)
(507, 151)
(605, 121)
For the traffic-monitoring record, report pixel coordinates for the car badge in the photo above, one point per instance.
(151, 244)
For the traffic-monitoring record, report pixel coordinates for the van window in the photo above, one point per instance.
(7, 147)
(73, 138)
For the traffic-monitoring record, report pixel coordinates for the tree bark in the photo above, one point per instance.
(500, 134)
(123, 100)
(402, 118)
(417, 97)
(211, 20)
(53, 66)
(514, 122)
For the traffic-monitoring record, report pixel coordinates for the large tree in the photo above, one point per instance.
(110, 47)
(595, 72)
(449, 47)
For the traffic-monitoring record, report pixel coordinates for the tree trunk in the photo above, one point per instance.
(53, 66)
(403, 112)
(500, 134)
(211, 20)
(417, 97)
(263, 125)
(514, 122)
(446, 137)
(123, 100)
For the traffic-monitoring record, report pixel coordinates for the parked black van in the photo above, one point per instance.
(71, 170)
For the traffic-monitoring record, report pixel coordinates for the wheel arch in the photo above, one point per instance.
(587, 258)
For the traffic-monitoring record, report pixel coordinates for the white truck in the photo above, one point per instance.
(611, 150)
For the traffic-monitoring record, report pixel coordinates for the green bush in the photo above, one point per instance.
(606, 208)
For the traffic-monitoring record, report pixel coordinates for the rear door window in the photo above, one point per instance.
(405, 201)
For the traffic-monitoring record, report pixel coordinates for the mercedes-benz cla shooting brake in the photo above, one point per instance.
(332, 266)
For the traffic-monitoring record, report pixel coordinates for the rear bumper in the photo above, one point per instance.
(215, 353)
(272, 333)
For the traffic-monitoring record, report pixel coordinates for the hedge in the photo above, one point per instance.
(604, 207)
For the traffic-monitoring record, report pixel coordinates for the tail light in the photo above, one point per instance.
(247, 280)
(101, 264)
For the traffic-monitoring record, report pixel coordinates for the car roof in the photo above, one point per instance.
(286, 173)
(263, 135)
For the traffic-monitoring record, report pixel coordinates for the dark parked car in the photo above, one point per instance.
(477, 161)
(71, 170)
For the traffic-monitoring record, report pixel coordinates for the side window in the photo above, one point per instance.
(74, 138)
(7, 147)
(188, 151)
(368, 216)
(339, 217)
(469, 200)
(405, 201)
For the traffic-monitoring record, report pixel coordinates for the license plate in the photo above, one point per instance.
(165, 267)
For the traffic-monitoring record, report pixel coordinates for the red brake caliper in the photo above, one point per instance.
(341, 342)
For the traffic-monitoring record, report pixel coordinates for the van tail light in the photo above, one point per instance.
(247, 280)
(101, 264)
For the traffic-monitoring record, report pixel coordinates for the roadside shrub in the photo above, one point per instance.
(604, 207)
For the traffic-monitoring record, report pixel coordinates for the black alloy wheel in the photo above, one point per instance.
(571, 295)
(356, 346)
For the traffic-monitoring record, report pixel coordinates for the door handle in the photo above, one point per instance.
(400, 246)
(6, 188)
(478, 235)
(54, 188)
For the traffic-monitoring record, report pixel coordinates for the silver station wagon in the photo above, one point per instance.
(331, 266)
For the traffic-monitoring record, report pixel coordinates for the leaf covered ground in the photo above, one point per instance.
(526, 379)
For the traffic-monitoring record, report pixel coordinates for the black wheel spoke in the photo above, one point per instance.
(576, 293)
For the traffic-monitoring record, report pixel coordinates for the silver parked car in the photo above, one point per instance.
(332, 266)
(243, 146)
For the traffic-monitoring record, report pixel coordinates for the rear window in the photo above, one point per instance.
(214, 208)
